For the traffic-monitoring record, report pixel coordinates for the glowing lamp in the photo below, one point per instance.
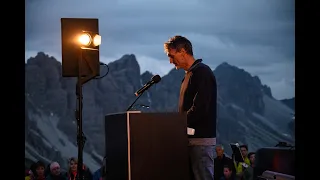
(97, 40)
(85, 39)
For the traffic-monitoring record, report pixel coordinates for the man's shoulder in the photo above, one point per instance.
(228, 158)
(203, 69)
(202, 66)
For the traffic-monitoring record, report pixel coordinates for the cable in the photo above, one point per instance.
(101, 63)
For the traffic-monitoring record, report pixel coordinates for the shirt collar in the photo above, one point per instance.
(195, 64)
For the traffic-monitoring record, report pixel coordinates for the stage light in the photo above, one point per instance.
(97, 40)
(84, 39)
(80, 58)
(80, 44)
(89, 40)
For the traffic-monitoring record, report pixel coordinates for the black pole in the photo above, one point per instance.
(80, 135)
(129, 108)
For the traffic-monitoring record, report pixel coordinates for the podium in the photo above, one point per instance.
(146, 146)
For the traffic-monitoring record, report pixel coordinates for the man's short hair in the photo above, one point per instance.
(178, 43)
(229, 166)
(244, 146)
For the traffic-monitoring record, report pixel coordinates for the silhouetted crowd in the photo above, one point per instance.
(225, 168)
(52, 171)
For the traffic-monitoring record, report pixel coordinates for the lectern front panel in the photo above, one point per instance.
(158, 146)
(116, 146)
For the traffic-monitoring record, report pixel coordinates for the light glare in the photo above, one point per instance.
(84, 39)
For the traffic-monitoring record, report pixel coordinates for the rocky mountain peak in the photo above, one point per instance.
(146, 76)
(43, 60)
(129, 69)
(127, 61)
(231, 80)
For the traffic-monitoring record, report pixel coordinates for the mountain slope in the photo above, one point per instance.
(44, 141)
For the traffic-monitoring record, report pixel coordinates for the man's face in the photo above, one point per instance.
(244, 152)
(227, 172)
(56, 171)
(219, 151)
(176, 58)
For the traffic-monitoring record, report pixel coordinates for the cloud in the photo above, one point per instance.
(257, 36)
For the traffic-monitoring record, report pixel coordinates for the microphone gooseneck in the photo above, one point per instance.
(154, 80)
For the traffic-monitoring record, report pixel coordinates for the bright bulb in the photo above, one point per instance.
(85, 39)
(97, 40)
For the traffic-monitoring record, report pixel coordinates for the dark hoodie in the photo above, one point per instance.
(198, 98)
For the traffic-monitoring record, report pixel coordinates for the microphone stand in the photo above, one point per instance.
(146, 87)
(130, 107)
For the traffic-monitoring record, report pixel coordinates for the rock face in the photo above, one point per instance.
(247, 112)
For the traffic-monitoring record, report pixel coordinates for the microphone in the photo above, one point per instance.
(154, 80)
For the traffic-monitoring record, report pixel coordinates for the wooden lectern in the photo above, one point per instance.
(146, 146)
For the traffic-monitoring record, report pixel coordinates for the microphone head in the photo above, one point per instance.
(155, 79)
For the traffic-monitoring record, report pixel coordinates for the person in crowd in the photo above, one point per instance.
(29, 176)
(27, 172)
(220, 162)
(39, 171)
(248, 173)
(73, 170)
(227, 173)
(47, 170)
(31, 172)
(55, 172)
(241, 166)
(87, 172)
(101, 172)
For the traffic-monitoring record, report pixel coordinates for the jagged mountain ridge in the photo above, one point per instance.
(247, 112)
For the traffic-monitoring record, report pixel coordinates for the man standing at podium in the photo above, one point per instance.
(198, 99)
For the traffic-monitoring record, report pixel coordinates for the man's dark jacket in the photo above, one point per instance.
(198, 98)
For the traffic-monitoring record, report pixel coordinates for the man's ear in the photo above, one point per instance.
(182, 50)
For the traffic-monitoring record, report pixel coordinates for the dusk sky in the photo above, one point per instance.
(256, 35)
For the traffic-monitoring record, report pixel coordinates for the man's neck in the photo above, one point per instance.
(190, 60)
